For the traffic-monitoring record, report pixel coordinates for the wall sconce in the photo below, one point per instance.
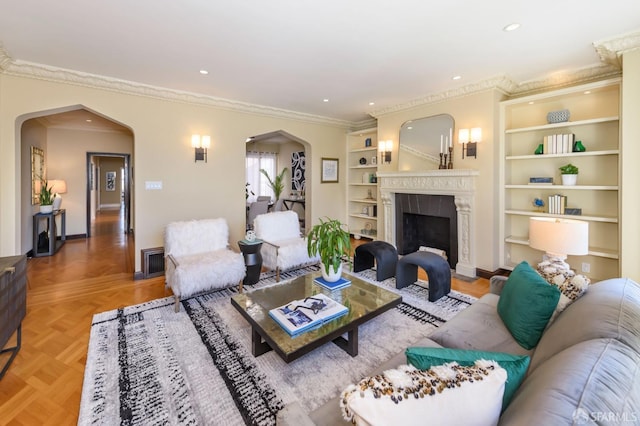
(470, 139)
(201, 144)
(385, 148)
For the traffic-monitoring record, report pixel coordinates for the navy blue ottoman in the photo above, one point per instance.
(436, 268)
(386, 257)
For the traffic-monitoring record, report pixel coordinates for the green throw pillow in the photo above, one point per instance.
(526, 304)
(516, 365)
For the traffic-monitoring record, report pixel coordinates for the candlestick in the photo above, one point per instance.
(441, 146)
(443, 161)
(450, 163)
(450, 137)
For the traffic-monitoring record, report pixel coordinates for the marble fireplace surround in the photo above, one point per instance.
(460, 183)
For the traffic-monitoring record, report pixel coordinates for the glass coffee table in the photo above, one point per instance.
(365, 301)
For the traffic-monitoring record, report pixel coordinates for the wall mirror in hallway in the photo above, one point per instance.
(37, 172)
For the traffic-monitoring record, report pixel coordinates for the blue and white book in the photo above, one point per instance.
(342, 282)
(307, 314)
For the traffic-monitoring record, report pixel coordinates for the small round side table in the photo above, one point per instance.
(252, 259)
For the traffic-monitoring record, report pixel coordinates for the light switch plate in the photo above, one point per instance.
(152, 185)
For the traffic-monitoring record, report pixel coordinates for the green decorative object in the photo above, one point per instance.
(277, 184)
(539, 150)
(578, 147)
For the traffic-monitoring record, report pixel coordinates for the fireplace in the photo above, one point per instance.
(427, 220)
(449, 206)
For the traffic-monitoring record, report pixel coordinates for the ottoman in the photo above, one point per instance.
(436, 268)
(386, 257)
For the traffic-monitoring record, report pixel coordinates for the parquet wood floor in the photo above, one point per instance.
(44, 383)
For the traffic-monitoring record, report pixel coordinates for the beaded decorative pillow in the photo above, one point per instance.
(408, 396)
(572, 286)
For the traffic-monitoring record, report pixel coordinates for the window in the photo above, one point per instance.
(258, 183)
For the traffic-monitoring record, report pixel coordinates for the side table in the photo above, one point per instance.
(50, 230)
(252, 259)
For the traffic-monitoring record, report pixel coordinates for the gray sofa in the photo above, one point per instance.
(584, 370)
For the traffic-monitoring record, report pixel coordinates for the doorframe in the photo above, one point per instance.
(126, 187)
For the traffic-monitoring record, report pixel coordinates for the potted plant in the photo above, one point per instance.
(277, 184)
(569, 174)
(330, 240)
(46, 196)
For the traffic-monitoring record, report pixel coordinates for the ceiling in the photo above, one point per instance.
(295, 54)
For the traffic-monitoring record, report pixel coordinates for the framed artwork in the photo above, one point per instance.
(111, 181)
(329, 170)
(298, 166)
(37, 173)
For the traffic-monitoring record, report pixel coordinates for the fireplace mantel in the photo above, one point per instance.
(460, 183)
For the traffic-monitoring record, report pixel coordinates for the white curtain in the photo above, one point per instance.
(258, 183)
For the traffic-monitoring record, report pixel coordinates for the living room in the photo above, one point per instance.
(161, 122)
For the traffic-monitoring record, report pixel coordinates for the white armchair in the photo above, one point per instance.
(198, 258)
(283, 248)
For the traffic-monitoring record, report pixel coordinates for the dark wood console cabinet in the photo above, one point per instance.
(13, 303)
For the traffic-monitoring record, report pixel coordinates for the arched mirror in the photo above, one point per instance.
(420, 142)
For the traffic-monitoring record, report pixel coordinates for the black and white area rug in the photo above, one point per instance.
(147, 365)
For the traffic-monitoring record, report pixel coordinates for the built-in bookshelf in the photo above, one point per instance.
(594, 120)
(362, 189)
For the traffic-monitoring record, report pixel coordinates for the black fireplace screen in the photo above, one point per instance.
(427, 220)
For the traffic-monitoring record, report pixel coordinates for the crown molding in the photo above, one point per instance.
(20, 68)
(611, 49)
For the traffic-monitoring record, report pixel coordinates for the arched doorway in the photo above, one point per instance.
(66, 135)
(287, 151)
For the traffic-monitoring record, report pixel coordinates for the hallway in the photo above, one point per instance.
(86, 276)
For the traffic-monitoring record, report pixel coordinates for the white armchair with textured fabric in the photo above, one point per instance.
(199, 258)
(283, 248)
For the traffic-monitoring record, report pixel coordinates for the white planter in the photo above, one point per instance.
(46, 209)
(332, 276)
(569, 180)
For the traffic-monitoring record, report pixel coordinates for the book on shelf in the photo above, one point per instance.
(541, 180)
(307, 314)
(342, 282)
(557, 204)
(559, 144)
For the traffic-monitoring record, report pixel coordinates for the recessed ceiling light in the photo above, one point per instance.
(511, 27)
(88, 120)
(204, 72)
(409, 128)
(371, 103)
(456, 77)
(325, 100)
(587, 92)
(531, 102)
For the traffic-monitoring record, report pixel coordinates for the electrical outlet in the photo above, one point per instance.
(586, 267)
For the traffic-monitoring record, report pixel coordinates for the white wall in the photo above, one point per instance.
(630, 172)
(162, 149)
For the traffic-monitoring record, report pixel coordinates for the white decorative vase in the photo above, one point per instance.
(46, 209)
(331, 276)
(569, 180)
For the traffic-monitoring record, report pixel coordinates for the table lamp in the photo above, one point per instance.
(559, 238)
(58, 186)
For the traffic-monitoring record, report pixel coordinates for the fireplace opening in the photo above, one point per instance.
(429, 221)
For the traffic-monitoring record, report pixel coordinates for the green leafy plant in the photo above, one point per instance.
(46, 193)
(569, 169)
(277, 184)
(330, 240)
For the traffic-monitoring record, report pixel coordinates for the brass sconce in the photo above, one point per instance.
(385, 148)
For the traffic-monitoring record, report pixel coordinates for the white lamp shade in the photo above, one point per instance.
(389, 146)
(206, 141)
(463, 136)
(476, 134)
(58, 186)
(195, 141)
(559, 236)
